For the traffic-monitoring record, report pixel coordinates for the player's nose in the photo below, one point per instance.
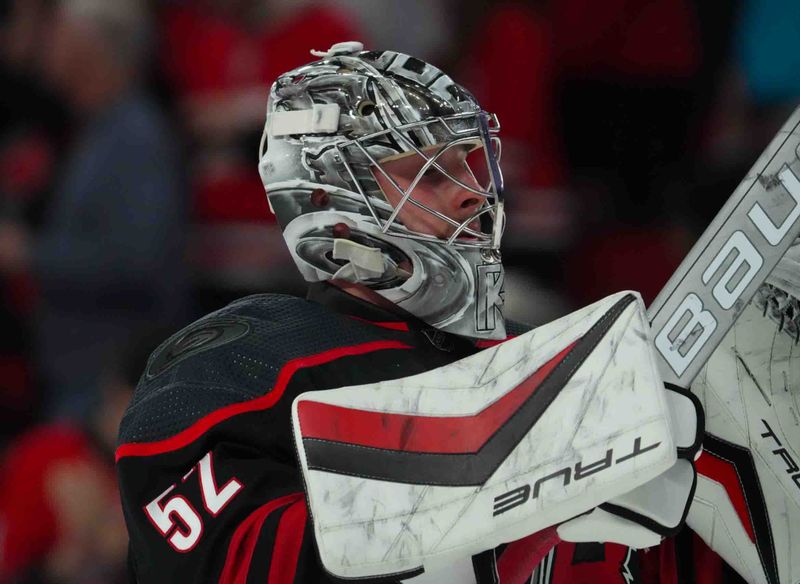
(462, 203)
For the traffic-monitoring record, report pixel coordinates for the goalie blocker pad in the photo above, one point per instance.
(417, 472)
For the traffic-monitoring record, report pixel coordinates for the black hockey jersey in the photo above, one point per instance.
(206, 462)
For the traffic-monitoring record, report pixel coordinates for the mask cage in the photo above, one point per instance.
(479, 130)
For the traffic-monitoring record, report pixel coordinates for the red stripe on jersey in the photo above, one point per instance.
(410, 433)
(243, 542)
(264, 402)
(391, 325)
(724, 473)
(486, 343)
(287, 544)
(520, 558)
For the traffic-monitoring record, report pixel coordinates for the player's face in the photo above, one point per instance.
(434, 190)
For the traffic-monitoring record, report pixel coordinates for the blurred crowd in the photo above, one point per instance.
(130, 203)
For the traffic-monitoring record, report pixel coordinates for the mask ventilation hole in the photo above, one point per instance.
(365, 108)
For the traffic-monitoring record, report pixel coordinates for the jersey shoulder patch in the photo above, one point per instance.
(208, 333)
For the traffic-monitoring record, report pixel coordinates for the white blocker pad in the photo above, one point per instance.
(425, 470)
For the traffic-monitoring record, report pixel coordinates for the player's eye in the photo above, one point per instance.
(432, 176)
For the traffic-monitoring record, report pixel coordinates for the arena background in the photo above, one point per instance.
(130, 203)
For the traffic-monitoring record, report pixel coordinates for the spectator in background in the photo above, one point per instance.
(761, 89)
(432, 24)
(767, 50)
(60, 517)
(220, 57)
(109, 258)
(33, 123)
(599, 107)
(508, 61)
(636, 81)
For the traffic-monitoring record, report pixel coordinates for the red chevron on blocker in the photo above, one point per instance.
(418, 433)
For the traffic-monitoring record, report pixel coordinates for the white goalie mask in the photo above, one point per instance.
(383, 171)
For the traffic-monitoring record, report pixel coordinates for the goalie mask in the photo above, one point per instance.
(383, 171)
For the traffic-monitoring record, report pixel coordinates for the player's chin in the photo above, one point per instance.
(464, 235)
(434, 228)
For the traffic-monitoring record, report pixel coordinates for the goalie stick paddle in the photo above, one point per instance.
(732, 258)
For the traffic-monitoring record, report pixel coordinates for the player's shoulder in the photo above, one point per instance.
(254, 323)
(228, 356)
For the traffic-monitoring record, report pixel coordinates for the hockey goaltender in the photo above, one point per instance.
(393, 426)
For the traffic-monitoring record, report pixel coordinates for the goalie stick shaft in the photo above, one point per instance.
(732, 258)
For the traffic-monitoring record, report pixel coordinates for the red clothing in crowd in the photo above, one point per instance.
(207, 57)
(39, 470)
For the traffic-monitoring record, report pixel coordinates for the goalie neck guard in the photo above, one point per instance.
(333, 129)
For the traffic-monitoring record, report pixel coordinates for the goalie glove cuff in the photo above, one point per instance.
(614, 528)
(660, 505)
(643, 516)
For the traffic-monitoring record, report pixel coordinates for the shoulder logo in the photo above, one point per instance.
(205, 335)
